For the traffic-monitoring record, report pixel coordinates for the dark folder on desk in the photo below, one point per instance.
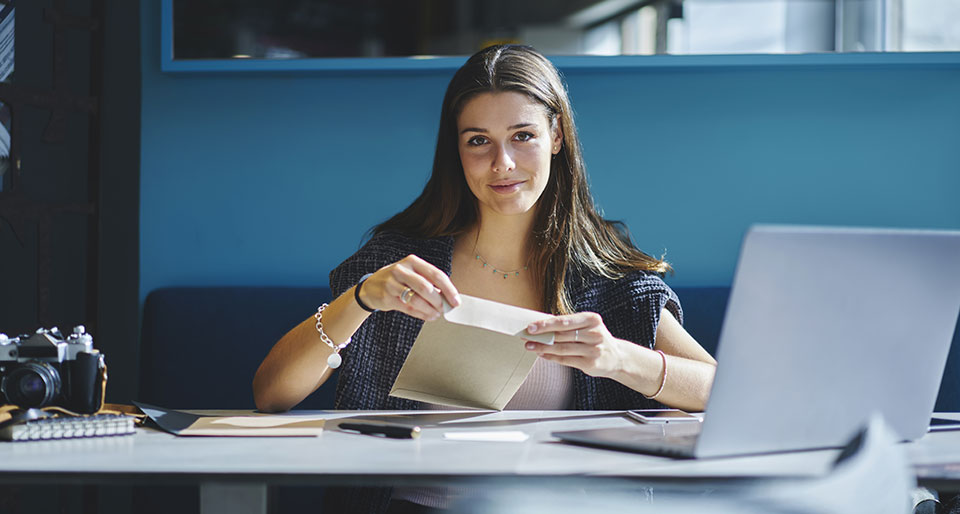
(824, 327)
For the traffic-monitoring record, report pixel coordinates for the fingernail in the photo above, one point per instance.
(457, 299)
(532, 328)
(530, 346)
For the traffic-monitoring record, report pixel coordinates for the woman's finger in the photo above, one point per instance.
(569, 349)
(384, 289)
(428, 281)
(406, 277)
(404, 299)
(436, 278)
(571, 323)
(417, 304)
(414, 305)
(417, 313)
(574, 335)
(572, 361)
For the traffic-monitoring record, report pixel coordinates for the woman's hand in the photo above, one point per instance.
(412, 286)
(581, 341)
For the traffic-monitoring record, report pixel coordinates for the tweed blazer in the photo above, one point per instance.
(630, 308)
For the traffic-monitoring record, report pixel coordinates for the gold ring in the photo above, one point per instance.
(406, 295)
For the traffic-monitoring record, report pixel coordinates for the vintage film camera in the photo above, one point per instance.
(44, 370)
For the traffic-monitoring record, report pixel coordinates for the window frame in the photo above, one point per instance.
(564, 62)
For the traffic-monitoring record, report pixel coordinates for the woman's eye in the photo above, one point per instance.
(523, 136)
(476, 140)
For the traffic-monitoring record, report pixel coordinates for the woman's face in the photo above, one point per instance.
(506, 144)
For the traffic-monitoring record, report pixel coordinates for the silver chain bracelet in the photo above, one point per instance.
(334, 360)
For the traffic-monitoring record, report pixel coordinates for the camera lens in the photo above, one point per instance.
(34, 384)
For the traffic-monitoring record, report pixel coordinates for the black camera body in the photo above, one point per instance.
(44, 370)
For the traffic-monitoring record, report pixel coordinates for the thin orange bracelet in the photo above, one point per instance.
(663, 381)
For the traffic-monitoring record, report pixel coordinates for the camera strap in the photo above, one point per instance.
(7, 412)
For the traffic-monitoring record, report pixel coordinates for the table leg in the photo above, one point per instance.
(232, 498)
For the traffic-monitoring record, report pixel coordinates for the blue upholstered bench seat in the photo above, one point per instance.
(200, 346)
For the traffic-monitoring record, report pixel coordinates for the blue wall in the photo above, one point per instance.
(273, 178)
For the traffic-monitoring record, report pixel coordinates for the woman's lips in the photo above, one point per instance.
(507, 187)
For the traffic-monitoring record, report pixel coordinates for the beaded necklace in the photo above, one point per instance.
(505, 273)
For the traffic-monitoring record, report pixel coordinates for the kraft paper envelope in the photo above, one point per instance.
(472, 356)
(251, 425)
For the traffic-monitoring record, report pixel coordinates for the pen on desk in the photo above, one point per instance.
(385, 429)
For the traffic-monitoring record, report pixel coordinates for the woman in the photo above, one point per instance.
(507, 216)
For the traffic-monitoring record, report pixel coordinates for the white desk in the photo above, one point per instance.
(233, 472)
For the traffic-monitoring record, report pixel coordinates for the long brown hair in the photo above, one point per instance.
(569, 233)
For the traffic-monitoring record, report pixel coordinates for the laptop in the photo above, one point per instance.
(824, 326)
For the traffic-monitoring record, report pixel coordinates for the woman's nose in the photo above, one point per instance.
(503, 161)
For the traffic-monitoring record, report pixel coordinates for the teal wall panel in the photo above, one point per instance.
(273, 178)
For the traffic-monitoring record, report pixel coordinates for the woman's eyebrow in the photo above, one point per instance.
(511, 127)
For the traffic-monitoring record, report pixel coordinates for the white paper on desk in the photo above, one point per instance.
(473, 356)
(498, 436)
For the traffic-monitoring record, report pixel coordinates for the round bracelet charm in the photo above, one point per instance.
(334, 360)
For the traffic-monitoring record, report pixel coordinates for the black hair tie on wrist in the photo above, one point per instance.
(356, 294)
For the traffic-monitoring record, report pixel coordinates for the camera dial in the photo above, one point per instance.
(8, 347)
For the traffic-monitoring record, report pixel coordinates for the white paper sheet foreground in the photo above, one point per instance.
(502, 436)
(875, 477)
(471, 357)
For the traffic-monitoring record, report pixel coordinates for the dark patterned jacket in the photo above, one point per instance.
(630, 308)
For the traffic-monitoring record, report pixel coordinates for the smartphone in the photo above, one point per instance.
(938, 424)
(661, 416)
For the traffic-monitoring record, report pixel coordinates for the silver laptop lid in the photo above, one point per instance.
(825, 326)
